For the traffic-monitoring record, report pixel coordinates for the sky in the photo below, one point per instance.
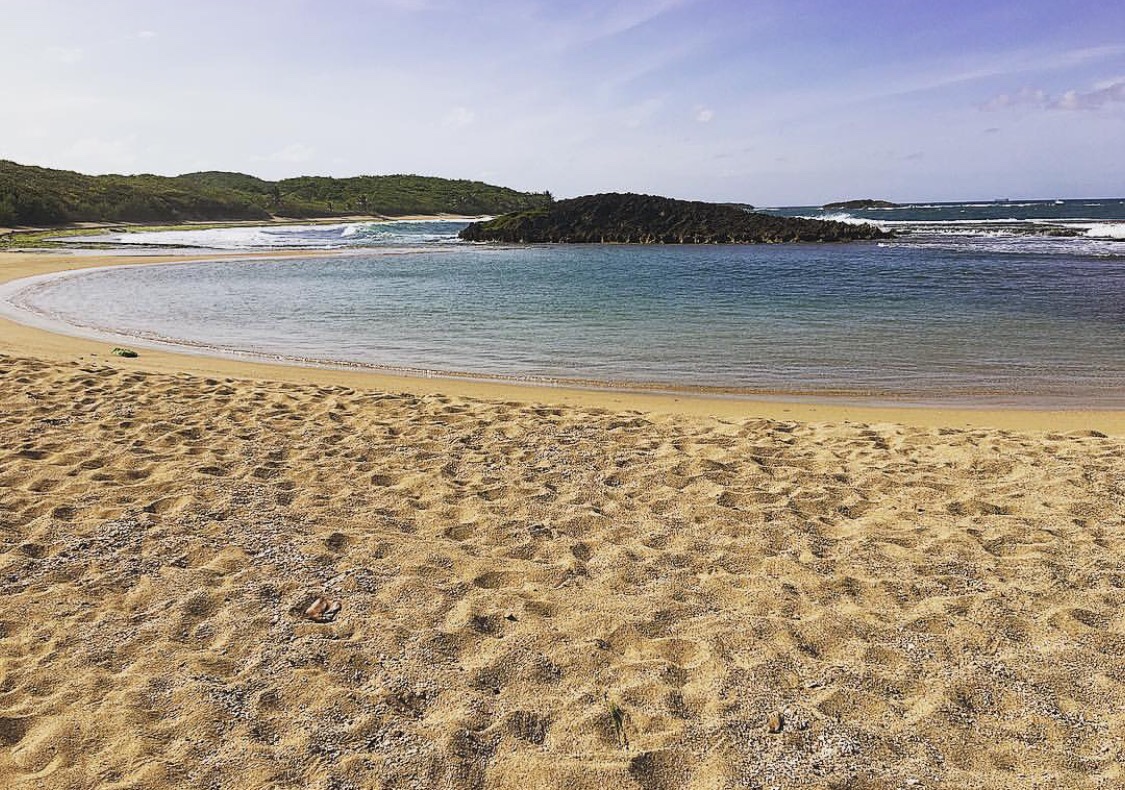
(769, 102)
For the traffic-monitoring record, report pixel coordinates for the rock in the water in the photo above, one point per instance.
(645, 219)
(860, 204)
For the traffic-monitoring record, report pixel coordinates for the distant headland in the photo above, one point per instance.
(647, 219)
(859, 204)
(42, 197)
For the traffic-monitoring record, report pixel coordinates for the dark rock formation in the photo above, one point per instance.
(645, 219)
(866, 203)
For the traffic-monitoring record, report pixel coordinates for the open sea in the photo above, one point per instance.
(1017, 303)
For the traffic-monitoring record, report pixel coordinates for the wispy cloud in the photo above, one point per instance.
(117, 154)
(947, 73)
(1101, 95)
(404, 5)
(659, 94)
(1024, 61)
(65, 55)
(1025, 97)
(624, 17)
(459, 117)
(639, 114)
(1091, 100)
(293, 153)
(610, 20)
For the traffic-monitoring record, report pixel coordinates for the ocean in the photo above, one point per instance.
(1007, 303)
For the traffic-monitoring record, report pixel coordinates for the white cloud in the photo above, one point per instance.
(1022, 98)
(1076, 57)
(405, 5)
(609, 20)
(639, 114)
(146, 34)
(1105, 92)
(101, 155)
(1022, 61)
(459, 117)
(624, 17)
(1091, 100)
(294, 152)
(1100, 84)
(63, 54)
(704, 114)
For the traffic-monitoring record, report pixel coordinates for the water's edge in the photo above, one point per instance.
(14, 306)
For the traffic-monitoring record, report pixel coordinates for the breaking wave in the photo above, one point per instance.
(310, 237)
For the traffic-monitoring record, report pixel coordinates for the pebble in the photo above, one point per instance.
(775, 722)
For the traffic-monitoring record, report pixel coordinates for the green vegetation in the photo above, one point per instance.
(41, 238)
(124, 352)
(37, 196)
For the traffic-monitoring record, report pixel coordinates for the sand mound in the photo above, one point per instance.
(542, 597)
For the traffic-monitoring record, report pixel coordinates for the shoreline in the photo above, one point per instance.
(14, 296)
(537, 587)
(19, 338)
(12, 234)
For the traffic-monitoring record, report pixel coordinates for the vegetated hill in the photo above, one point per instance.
(864, 203)
(393, 195)
(42, 196)
(646, 219)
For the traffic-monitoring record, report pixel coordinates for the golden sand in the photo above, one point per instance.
(541, 588)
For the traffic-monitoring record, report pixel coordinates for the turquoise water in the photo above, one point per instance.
(958, 319)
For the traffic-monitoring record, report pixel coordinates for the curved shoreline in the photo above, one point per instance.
(17, 302)
(45, 340)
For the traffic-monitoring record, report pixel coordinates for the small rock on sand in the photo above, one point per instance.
(775, 722)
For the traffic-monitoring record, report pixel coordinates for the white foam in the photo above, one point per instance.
(847, 219)
(1093, 229)
(314, 237)
(1107, 230)
(948, 206)
(242, 238)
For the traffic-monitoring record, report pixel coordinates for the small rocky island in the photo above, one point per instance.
(860, 204)
(645, 219)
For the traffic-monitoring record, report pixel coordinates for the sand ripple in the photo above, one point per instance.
(543, 597)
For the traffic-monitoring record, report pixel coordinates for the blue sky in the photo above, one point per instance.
(772, 102)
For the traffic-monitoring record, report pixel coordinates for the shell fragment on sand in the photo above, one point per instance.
(323, 610)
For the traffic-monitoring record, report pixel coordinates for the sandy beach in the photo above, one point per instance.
(541, 587)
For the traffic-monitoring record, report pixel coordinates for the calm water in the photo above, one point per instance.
(958, 309)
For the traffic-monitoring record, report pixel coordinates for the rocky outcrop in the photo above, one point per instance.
(859, 204)
(646, 219)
